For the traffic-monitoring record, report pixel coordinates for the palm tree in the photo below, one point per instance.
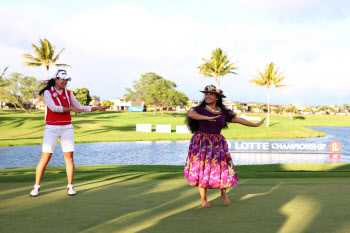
(217, 66)
(291, 109)
(269, 78)
(238, 106)
(323, 109)
(45, 55)
(346, 106)
(308, 109)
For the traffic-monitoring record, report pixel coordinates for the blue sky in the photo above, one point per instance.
(111, 43)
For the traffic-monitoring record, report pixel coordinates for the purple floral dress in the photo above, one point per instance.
(209, 163)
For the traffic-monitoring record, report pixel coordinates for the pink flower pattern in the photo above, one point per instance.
(208, 163)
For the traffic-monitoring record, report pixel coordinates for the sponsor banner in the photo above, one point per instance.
(334, 146)
(163, 128)
(135, 109)
(182, 129)
(144, 127)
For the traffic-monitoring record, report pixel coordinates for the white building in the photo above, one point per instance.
(193, 103)
(120, 104)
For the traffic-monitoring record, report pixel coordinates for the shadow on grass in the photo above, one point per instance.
(153, 199)
(14, 123)
(105, 129)
(28, 138)
(272, 124)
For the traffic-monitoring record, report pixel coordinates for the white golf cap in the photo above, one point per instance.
(63, 75)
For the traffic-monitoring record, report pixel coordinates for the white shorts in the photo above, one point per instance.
(51, 135)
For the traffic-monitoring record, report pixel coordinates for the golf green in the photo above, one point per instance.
(157, 199)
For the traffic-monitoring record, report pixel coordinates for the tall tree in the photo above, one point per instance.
(175, 98)
(218, 65)
(291, 109)
(269, 78)
(152, 89)
(106, 103)
(238, 106)
(324, 109)
(346, 107)
(308, 109)
(20, 90)
(83, 96)
(45, 55)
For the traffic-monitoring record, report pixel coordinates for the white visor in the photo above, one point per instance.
(63, 75)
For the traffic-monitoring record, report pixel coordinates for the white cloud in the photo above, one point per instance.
(299, 10)
(111, 46)
(19, 24)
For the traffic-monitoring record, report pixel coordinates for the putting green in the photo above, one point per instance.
(137, 201)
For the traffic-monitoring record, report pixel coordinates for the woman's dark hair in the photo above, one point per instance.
(193, 125)
(47, 85)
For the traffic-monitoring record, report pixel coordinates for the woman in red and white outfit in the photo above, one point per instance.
(60, 102)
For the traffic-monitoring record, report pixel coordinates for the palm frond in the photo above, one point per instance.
(278, 80)
(279, 86)
(38, 53)
(270, 77)
(257, 81)
(3, 72)
(63, 65)
(31, 64)
(57, 56)
(47, 48)
(43, 47)
(52, 49)
(31, 58)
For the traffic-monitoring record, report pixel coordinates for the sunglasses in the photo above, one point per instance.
(61, 71)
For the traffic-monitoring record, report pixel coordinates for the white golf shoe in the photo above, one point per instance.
(35, 192)
(70, 191)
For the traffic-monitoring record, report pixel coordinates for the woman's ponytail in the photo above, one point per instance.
(47, 85)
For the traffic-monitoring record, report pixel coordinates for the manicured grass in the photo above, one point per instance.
(151, 172)
(18, 128)
(156, 199)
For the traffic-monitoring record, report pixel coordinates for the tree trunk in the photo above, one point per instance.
(47, 72)
(218, 82)
(291, 115)
(268, 107)
(47, 78)
(155, 111)
(23, 109)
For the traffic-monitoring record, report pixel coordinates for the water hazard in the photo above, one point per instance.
(244, 152)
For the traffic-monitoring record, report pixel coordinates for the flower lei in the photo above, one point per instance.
(55, 95)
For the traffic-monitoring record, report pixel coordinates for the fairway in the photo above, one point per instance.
(157, 199)
(18, 128)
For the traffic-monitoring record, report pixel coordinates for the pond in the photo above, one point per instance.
(243, 152)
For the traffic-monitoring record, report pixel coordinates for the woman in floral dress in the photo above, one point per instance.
(209, 163)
